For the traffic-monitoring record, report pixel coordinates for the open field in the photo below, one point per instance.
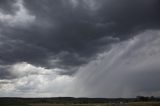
(69, 105)
(107, 104)
(143, 104)
(128, 104)
(102, 104)
(69, 101)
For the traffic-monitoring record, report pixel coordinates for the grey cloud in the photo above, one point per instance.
(22, 70)
(145, 82)
(19, 18)
(79, 31)
(30, 80)
(129, 69)
(14, 51)
(130, 16)
(126, 70)
(7, 7)
(5, 73)
(61, 35)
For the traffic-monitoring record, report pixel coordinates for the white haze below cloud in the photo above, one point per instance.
(32, 81)
(128, 69)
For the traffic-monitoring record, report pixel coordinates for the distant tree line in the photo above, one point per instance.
(145, 98)
(71, 100)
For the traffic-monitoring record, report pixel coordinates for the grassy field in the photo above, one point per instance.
(143, 104)
(69, 105)
(68, 101)
(128, 104)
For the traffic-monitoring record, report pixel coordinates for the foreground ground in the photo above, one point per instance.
(70, 101)
(107, 104)
(102, 104)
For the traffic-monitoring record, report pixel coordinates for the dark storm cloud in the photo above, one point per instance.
(73, 35)
(14, 51)
(130, 16)
(5, 74)
(6, 6)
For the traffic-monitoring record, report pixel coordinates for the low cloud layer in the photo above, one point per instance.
(108, 47)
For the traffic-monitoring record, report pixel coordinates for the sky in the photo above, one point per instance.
(79, 48)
